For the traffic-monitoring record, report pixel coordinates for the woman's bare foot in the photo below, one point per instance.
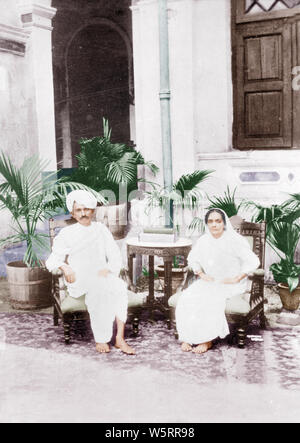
(124, 347)
(202, 348)
(102, 348)
(186, 347)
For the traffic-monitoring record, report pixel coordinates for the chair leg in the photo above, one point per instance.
(173, 323)
(67, 322)
(175, 328)
(135, 325)
(262, 320)
(231, 339)
(55, 316)
(241, 336)
(80, 327)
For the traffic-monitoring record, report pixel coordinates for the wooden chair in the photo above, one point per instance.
(73, 311)
(242, 309)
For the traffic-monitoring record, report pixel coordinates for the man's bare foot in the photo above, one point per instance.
(202, 348)
(186, 347)
(102, 348)
(124, 347)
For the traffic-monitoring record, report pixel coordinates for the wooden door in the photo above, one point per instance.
(263, 105)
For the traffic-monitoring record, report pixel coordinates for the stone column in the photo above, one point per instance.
(37, 21)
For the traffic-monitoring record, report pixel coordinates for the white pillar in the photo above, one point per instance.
(37, 20)
(146, 80)
(182, 59)
(213, 76)
(181, 42)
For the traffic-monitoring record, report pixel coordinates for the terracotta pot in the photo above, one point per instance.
(30, 288)
(177, 276)
(290, 301)
(114, 217)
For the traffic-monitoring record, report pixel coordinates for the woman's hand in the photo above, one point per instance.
(204, 276)
(234, 280)
(69, 274)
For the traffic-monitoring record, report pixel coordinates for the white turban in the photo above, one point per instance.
(82, 198)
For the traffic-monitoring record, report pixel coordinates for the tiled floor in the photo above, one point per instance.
(43, 380)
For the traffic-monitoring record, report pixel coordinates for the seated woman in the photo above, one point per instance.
(222, 259)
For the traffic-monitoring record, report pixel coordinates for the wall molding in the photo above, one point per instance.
(230, 155)
(13, 39)
(35, 15)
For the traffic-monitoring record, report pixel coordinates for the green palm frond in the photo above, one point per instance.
(263, 213)
(285, 238)
(37, 243)
(102, 165)
(188, 182)
(283, 235)
(152, 166)
(293, 201)
(186, 188)
(184, 192)
(122, 170)
(12, 239)
(31, 199)
(227, 203)
(197, 224)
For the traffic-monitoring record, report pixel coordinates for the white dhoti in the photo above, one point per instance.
(89, 250)
(106, 299)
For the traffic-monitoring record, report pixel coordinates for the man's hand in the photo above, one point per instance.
(69, 274)
(205, 277)
(103, 273)
(234, 280)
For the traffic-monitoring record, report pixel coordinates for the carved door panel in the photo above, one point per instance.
(263, 99)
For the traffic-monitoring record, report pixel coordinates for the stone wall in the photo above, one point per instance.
(26, 85)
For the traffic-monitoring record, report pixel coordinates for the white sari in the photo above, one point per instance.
(200, 311)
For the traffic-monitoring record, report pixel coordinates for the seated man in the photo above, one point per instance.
(94, 263)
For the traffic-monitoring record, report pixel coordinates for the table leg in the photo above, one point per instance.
(168, 288)
(168, 279)
(130, 266)
(151, 279)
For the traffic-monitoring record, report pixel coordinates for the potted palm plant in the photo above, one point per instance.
(108, 167)
(283, 235)
(30, 201)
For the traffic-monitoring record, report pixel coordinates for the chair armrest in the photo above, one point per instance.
(258, 274)
(57, 273)
(124, 275)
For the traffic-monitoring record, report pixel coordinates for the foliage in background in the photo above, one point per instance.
(185, 192)
(227, 203)
(102, 165)
(197, 224)
(30, 200)
(283, 235)
(145, 272)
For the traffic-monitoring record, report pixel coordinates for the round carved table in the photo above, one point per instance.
(166, 251)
